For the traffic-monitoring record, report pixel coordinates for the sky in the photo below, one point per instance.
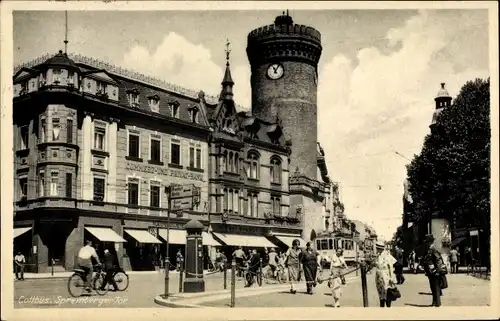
(378, 75)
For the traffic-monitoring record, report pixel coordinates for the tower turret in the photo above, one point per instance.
(284, 58)
(443, 100)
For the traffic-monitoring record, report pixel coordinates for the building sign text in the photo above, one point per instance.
(136, 167)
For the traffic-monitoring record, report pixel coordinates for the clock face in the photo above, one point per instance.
(275, 71)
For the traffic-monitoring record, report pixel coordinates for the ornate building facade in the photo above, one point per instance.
(96, 146)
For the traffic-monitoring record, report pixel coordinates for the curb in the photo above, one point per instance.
(204, 297)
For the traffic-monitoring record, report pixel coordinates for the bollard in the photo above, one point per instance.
(233, 282)
(181, 274)
(225, 275)
(167, 269)
(260, 273)
(52, 267)
(363, 285)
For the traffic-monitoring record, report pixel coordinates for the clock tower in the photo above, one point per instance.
(284, 60)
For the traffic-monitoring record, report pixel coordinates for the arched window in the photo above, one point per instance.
(275, 170)
(224, 160)
(226, 195)
(236, 163)
(230, 163)
(231, 198)
(253, 165)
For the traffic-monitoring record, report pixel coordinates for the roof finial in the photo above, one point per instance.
(66, 33)
(228, 51)
(287, 12)
(442, 85)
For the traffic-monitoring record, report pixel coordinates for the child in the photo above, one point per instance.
(335, 282)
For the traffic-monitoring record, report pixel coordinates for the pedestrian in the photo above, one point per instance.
(109, 268)
(384, 277)
(310, 263)
(179, 259)
(292, 262)
(454, 258)
(434, 268)
(342, 265)
(335, 281)
(19, 262)
(411, 261)
(398, 265)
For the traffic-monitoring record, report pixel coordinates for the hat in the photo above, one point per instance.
(106, 251)
(429, 238)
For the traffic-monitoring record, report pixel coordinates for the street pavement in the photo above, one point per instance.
(143, 288)
(463, 290)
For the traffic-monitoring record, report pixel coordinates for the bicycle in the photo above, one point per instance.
(267, 274)
(472, 268)
(78, 280)
(121, 279)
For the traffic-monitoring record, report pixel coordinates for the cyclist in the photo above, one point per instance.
(253, 268)
(85, 256)
(240, 257)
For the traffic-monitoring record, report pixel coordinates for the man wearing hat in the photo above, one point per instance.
(434, 268)
(109, 267)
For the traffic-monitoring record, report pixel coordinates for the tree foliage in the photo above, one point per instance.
(451, 176)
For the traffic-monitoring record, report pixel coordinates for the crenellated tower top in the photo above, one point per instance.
(284, 40)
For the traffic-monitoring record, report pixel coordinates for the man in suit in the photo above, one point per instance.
(109, 267)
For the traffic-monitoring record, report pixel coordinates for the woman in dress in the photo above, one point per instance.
(310, 263)
(293, 264)
(385, 277)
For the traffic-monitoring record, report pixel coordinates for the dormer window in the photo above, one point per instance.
(193, 114)
(100, 88)
(57, 73)
(24, 88)
(174, 107)
(71, 78)
(133, 97)
(154, 103)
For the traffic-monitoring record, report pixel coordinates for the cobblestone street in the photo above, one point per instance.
(463, 290)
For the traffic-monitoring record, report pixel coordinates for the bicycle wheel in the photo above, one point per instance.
(121, 279)
(76, 285)
(98, 283)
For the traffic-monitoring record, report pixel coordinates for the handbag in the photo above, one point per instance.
(393, 293)
(443, 282)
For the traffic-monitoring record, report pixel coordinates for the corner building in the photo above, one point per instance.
(284, 77)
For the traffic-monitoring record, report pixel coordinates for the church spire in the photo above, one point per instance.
(227, 82)
(66, 33)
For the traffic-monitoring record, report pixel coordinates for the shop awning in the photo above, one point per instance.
(208, 239)
(244, 240)
(20, 231)
(143, 236)
(457, 241)
(288, 239)
(105, 234)
(176, 236)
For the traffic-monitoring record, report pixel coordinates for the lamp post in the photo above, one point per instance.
(167, 260)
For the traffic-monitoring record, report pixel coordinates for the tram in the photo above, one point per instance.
(326, 245)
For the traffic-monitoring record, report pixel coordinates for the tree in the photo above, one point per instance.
(451, 176)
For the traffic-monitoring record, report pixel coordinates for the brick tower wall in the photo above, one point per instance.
(293, 98)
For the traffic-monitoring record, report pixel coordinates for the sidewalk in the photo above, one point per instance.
(67, 274)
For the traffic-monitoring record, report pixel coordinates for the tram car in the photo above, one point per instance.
(327, 245)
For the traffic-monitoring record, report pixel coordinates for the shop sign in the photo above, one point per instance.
(181, 204)
(182, 191)
(137, 167)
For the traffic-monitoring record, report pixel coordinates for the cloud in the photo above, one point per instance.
(383, 102)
